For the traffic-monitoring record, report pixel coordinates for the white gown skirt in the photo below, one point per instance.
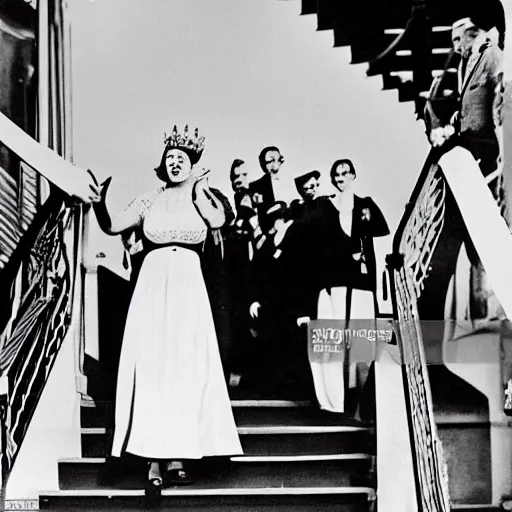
(328, 376)
(172, 401)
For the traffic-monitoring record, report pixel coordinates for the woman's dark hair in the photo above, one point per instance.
(235, 165)
(263, 154)
(161, 170)
(342, 161)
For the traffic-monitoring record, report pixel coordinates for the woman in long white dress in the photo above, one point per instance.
(172, 402)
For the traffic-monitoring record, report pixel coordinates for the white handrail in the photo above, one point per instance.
(395, 468)
(73, 180)
(486, 227)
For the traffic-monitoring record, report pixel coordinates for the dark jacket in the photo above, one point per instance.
(261, 191)
(342, 264)
(478, 90)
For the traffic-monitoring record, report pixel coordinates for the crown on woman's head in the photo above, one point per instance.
(190, 143)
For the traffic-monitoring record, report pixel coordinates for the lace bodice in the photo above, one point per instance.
(168, 215)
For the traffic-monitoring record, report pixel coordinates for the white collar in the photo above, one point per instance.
(344, 201)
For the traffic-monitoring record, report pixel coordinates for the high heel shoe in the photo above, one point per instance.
(154, 483)
(176, 475)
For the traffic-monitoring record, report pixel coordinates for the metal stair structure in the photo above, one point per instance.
(406, 42)
(295, 458)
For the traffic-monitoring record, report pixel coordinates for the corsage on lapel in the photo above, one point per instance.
(257, 198)
(365, 214)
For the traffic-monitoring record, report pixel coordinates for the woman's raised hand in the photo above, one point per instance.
(201, 174)
(99, 192)
(104, 187)
(209, 205)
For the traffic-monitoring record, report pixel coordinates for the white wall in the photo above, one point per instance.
(249, 74)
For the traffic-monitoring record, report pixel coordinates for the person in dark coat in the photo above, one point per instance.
(480, 74)
(240, 184)
(349, 225)
(274, 185)
(238, 258)
(282, 295)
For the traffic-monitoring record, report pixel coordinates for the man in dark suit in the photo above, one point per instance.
(480, 75)
(479, 116)
(283, 291)
(237, 261)
(273, 186)
(240, 184)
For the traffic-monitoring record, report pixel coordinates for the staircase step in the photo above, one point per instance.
(98, 414)
(307, 499)
(308, 7)
(239, 472)
(307, 418)
(269, 440)
(475, 508)
(246, 413)
(266, 428)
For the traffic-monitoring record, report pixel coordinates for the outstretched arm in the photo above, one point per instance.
(128, 219)
(208, 205)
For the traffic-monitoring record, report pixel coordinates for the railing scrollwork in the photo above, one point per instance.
(414, 245)
(42, 278)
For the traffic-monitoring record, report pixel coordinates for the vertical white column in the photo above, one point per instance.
(395, 469)
(43, 96)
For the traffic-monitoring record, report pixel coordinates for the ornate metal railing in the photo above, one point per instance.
(39, 269)
(40, 277)
(413, 247)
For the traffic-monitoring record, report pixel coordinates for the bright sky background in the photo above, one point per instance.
(249, 73)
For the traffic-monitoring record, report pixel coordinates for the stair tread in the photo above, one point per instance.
(130, 472)
(263, 417)
(195, 490)
(90, 403)
(275, 417)
(248, 458)
(461, 507)
(270, 429)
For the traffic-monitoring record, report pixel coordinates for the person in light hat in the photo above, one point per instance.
(307, 185)
(310, 204)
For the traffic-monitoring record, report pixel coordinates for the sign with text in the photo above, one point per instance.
(333, 340)
(22, 505)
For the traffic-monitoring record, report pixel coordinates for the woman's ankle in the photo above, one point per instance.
(174, 465)
(154, 471)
